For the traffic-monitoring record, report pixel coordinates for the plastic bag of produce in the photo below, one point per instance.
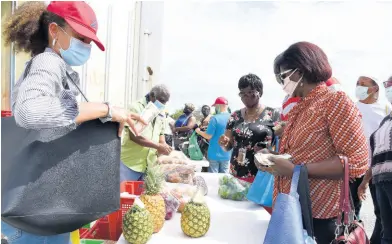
(233, 188)
(201, 184)
(183, 193)
(178, 173)
(175, 157)
(171, 204)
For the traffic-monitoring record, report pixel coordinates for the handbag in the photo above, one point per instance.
(286, 223)
(57, 180)
(262, 188)
(352, 230)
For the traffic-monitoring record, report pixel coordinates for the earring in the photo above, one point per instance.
(301, 84)
(53, 42)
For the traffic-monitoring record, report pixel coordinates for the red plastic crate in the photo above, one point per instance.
(5, 113)
(100, 230)
(115, 219)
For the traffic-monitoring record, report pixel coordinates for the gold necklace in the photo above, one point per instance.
(252, 117)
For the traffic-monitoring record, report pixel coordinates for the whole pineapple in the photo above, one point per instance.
(151, 197)
(137, 224)
(195, 219)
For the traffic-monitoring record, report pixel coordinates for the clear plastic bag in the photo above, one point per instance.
(183, 193)
(233, 188)
(171, 204)
(178, 173)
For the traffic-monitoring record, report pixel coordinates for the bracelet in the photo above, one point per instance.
(109, 114)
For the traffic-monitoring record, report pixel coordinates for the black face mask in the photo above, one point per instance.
(206, 111)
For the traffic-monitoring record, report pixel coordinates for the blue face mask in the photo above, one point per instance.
(159, 105)
(77, 53)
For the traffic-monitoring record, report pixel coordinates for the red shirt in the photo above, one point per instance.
(324, 124)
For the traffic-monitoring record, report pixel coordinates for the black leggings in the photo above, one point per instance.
(324, 230)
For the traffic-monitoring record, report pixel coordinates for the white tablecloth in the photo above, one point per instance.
(231, 222)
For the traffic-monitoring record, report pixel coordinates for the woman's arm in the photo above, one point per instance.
(347, 133)
(37, 105)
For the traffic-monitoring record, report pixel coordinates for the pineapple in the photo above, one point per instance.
(195, 219)
(137, 224)
(151, 197)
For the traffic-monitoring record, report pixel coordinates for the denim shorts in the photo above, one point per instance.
(17, 236)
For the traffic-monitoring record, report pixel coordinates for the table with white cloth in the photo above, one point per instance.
(231, 221)
(199, 164)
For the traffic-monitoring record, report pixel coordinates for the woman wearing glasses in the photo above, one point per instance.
(322, 127)
(249, 129)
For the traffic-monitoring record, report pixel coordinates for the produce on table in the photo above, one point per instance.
(151, 197)
(201, 184)
(137, 224)
(171, 204)
(195, 219)
(177, 173)
(233, 188)
(183, 192)
(175, 157)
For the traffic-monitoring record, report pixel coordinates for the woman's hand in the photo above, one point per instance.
(164, 149)
(123, 117)
(282, 167)
(362, 190)
(224, 141)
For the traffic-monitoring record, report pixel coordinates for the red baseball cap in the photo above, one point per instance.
(80, 16)
(220, 101)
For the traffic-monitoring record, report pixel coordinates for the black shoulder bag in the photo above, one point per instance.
(53, 186)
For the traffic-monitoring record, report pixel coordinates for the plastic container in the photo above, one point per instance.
(148, 114)
(100, 230)
(90, 241)
(6, 113)
(115, 219)
(75, 237)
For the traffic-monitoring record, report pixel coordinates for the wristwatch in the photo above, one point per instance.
(109, 114)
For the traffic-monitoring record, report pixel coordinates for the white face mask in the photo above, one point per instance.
(361, 92)
(388, 93)
(289, 85)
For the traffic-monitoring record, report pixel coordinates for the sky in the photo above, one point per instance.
(208, 46)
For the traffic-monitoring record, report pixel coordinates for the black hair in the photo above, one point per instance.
(309, 59)
(28, 27)
(277, 62)
(252, 81)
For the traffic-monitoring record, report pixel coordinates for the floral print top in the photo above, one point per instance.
(250, 136)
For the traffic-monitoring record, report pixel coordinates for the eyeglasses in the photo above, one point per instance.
(387, 83)
(284, 74)
(248, 94)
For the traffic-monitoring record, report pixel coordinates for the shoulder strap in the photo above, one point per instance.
(305, 201)
(66, 86)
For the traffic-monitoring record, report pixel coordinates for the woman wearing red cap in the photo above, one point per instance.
(57, 36)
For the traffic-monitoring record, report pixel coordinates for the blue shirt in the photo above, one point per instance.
(216, 128)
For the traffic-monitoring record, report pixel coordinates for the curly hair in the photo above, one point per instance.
(252, 81)
(28, 27)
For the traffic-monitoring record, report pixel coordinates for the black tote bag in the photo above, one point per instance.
(55, 182)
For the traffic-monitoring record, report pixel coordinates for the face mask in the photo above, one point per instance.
(388, 93)
(289, 86)
(77, 53)
(361, 92)
(159, 105)
(205, 112)
(186, 111)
